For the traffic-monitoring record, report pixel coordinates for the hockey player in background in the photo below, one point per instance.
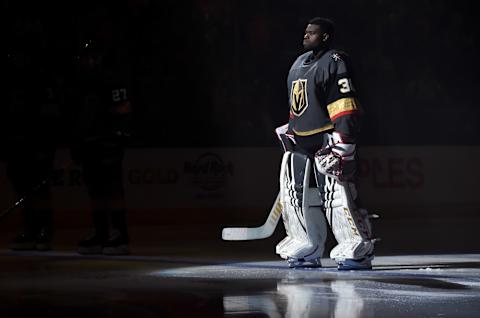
(102, 121)
(318, 167)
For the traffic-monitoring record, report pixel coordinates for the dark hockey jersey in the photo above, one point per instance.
(321, 95)
(101, 99)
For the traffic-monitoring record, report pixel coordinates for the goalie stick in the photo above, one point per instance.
(267, 229)
(256, 233)
(18, 202)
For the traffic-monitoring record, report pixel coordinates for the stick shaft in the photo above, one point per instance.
(256, 233)
(17, 203)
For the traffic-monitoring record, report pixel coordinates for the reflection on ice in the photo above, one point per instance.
(399, 286)
(349, 303)
(301, 300)
(239, 305)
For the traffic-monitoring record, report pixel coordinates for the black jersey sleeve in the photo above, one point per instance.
(342, 105)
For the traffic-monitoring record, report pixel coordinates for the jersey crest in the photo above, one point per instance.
(299, 97)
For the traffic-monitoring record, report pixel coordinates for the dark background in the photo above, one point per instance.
(212, 73)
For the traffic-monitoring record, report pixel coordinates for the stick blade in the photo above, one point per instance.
(255, 233)
(243, 234)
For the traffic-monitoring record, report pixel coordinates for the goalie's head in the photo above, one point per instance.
(318, 33)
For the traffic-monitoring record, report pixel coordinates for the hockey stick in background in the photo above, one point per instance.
(256, 233)
(17, 203)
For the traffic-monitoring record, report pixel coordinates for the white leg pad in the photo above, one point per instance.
(302, 213)
(349, 224)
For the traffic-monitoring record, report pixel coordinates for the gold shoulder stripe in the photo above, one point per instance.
(342, 105)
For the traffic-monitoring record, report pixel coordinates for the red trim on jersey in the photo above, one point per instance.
(348, 112)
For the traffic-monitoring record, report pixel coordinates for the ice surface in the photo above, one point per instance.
(399, 286)
(167, 286)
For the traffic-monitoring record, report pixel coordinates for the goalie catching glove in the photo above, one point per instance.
(337, 159)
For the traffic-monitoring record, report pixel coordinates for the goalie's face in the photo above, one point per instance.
(313, 37)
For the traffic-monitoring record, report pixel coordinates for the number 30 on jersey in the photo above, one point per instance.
(345, 85)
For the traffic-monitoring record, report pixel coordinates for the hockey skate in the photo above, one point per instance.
(43, 240)
(27, 241)
(302, 263)
(364, 263)
(92, 245)
(23, 242)
(117, 244)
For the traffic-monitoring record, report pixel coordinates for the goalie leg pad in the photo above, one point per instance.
(350, 225)
(302, 214)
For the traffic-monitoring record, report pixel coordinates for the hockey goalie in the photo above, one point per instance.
(317, 175)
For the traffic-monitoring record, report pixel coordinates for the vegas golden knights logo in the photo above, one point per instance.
(298, 97)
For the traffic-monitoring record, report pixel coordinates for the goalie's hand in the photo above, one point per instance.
(337, 160)
(286, 138)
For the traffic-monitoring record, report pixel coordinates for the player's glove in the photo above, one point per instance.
(286, 138)
(337, 160)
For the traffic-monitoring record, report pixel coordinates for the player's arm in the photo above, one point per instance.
(345, 112)
(342, 104)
